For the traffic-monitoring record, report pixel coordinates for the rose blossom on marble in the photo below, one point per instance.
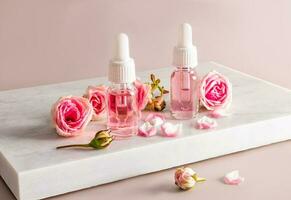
(143, 94)
(215, 91)
(233, 178)
(71, 114)
(97, 97)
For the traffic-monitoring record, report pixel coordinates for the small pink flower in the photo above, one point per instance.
(184, 178)
(205, 123)
(170, 130)
(143, 94)
(155, 119)
(215, 91)
(71, 115)
(233, 178)
(97, 97)
(146, 130)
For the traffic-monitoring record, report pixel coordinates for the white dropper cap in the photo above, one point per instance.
(121, 68)
(185, 54)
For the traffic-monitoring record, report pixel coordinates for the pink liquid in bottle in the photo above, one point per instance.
(184, 98)
(122, 109)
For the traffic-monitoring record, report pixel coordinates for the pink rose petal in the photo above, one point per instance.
(146, 130)
(233, 178)
(205, 123)
(155, 119)
(170, 130)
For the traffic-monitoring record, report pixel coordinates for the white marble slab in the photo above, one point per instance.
(34, 169)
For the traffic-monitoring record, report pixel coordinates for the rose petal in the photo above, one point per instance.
(233, 178)
(205, 123)
(146, 130)
(170, 130)
(155, 119)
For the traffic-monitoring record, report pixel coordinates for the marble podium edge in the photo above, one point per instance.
(27, 178)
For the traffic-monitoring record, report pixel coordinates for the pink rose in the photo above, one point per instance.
(97, 97)
(215, 91)
(143, 94)
(71, 115)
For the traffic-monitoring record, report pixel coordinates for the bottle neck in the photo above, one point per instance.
(121, 86)
(184, 67)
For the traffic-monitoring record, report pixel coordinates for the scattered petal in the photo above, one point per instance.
(170, 130)
(147, 130)
(205, 123)
(155, 119)
(233, 178)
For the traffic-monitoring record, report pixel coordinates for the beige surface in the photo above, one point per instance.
(266, 170)
(45, 41)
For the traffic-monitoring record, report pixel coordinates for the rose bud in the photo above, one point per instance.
(97, 97)
(186, 178)
(71, 115)
(156, 104)
(215, 91)
(101, 140)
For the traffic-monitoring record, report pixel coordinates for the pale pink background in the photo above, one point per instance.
(47, 41)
